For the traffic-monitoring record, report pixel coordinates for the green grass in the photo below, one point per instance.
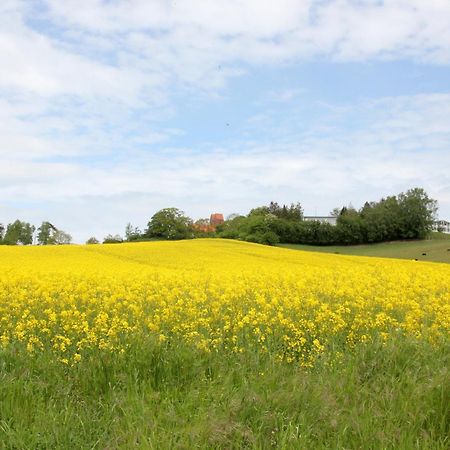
(437, 249)
(393, 396)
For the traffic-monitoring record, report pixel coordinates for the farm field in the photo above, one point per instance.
(435, 249)
(221, 344)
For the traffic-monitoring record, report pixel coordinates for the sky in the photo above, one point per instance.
(113, 109)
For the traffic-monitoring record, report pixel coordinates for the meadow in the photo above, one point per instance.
(221, 344)
(436, 248)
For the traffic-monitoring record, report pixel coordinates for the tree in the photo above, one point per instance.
(293, 212)
(381, 220)
(132, 233)
(60, 237)
(417, 213)
(19, 233)
(350, 227)
(113, 239)
(233, 216)
(2, 232)
(231, 227)
(46, 233)
(171, 224)
(92, 240)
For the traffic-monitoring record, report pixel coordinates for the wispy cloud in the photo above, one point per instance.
(89, 90)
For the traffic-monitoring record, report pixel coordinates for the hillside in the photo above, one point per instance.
(436, 249)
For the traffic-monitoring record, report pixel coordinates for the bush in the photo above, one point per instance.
(92, 240)
(110, 239)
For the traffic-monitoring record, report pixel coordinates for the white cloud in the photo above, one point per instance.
(397, 146)
(124, 49)
(84, 84)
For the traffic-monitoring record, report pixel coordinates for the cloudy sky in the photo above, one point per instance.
(113, 109)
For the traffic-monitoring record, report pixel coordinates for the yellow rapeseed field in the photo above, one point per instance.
(216, 295)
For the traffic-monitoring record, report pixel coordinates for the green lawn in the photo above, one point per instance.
(437, 249)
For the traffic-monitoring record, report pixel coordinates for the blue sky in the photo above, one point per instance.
(111, 110)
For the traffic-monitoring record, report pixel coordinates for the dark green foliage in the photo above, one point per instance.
(171, 224)
(350, 228)
(406, 216)
(19, 233)
(314, 232)
(294, 212)
(230, 228)
(2, 232)
(264, 225)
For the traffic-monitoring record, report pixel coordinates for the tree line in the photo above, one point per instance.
(408, 215)
(23, 233)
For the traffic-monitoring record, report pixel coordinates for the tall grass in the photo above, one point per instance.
(163, 396)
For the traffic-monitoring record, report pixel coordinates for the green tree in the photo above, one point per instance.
(382, 220)
(171, 224)
(293, 212)
(417, 213)
(19, 232)
(113, 239)
(92, 240)
(132, 233)
(350, 227)
(2, 232)
(46, 233)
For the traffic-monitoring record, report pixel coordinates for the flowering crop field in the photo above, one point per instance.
(72, 306)
(218, 296)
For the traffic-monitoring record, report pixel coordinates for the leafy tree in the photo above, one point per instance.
(113, 239)
(92, 240)
(382, 220)
(293, 212)
(417, 213)
(60, 237)
(259, 211)
(171, 224)
(132, 233)
(2, 232)
(233, 216)
(350, 227)
(19, 233)
(314, 233)
(46, 233)
(231, 227)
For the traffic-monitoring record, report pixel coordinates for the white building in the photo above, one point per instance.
(323, 219)
(442, 226)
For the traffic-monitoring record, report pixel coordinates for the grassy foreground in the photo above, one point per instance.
(436, 249)
(393, 396)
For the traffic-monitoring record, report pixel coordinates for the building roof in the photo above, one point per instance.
(216, 217)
